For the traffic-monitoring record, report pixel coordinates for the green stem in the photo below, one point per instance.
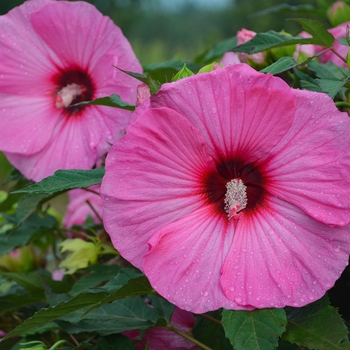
(56, 345)
(212, 319)
(94, 210)
(342, 104)
(188, 337)
(336, 53)
(107, 250)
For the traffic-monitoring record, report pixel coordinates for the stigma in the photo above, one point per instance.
(68, 94)
(235, 198)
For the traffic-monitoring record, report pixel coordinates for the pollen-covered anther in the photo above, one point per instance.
(66, 95)
(235, 198)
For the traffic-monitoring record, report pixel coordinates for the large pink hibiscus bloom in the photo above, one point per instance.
(231, 189)
(52, 55)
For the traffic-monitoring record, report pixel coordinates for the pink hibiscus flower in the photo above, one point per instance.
(160, 338)
(230, 189)
(302, 52)
(52, 55)
(338, 32)
(243, 36)
(78, 208)
(230, 58)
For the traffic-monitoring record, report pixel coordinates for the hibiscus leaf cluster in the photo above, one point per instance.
(199, 204)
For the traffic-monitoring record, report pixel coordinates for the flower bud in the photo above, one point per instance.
(143, 93)
(19, 260)
(283, 51)
(210, 67)
(338, 13)
(230, 58)
(183, 73)
(255, 60)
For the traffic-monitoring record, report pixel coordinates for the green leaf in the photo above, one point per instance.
(286, 63)
(9, 202)
(34, 226)
(319, 33)
(29, 203)
(328, 70)
(110, 101)
(268, 40)
(284, 345)
(119, 280)
(141, 77)
(154, 85)
(217, 51)
(119, 316)
(317, 326)
(282, 65)
(307, 85)
(16, 297)
(257, 329)
(331, 78)
(134, 287)
(331, 87)
(164, 71)
(97, 275)
(115, 342)
(164, 308)
(30, 281)
(211, 333)
(64, 180)
(344, 41)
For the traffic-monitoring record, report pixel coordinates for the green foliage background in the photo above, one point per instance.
(158, 35)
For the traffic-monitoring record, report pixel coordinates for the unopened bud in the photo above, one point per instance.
(183, 73)
(338, 13)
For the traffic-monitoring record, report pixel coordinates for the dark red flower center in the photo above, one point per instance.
(215, 184)
(73, 85)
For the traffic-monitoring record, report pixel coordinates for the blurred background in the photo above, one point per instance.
(163, 29)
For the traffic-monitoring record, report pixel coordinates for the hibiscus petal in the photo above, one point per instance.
(81, 155)
(66, 28)
(26, 127)
(152, 177)
(26, 63)
(185, 260)
(119, 82)
(311, 166)
(281, 256)
(246, 121)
